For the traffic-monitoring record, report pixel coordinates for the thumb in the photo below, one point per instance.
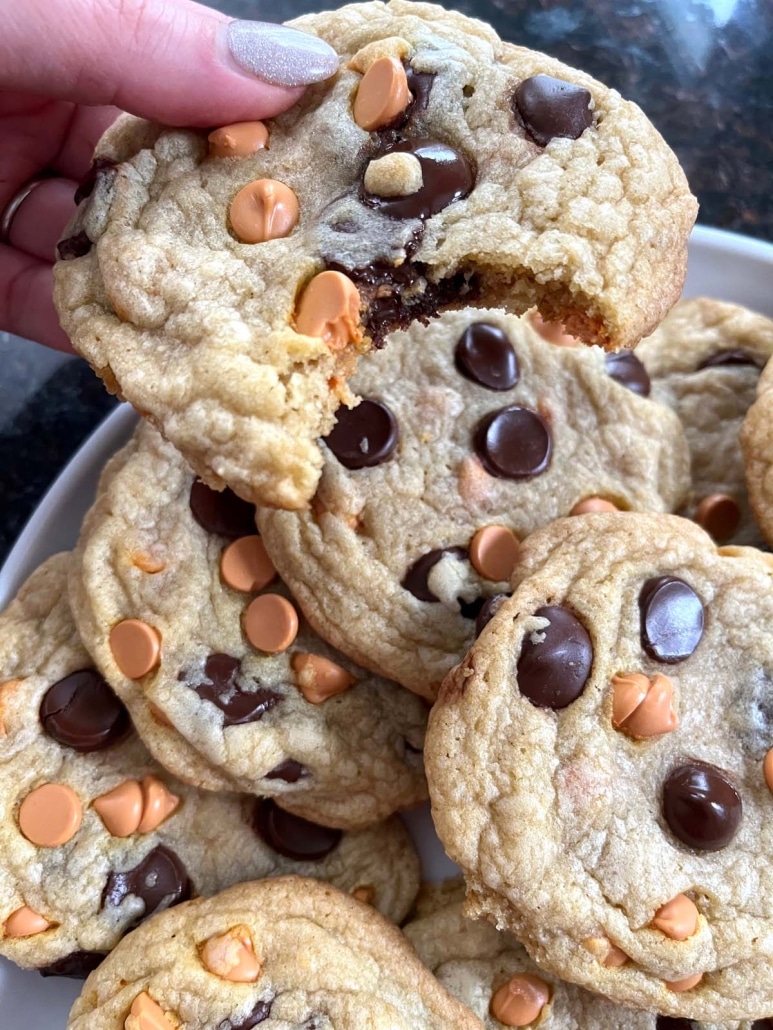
(168, 60)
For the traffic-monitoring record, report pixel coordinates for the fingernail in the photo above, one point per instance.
(279, 55)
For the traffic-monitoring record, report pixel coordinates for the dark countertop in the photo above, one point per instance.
(701, 69)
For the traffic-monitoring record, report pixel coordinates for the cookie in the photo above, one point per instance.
(226, 286)
(600, 765)
(704, 361)
(473, 432)
(757, 445)
(491, 973)
(95, 835)
(177, 601)
(287, 952)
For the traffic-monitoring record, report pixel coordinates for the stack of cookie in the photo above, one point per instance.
(372, 478)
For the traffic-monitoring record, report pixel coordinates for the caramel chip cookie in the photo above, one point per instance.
(704, 362)
(601, 765)
(95, 836)
(225, 285)
(472, 432)
(285, 953)
(757, 444)
(178, 602)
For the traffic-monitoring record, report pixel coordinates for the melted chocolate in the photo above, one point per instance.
(447, 176)
(488, 611)
(74, 246)
(724, 358)
(290, 771)
(76, 966)
(258, 1014)
(416, 579)
(82, 712)
(160, 881)
(99, 167)
(291, 836)
(626, 369)
(221, 511)
(221, 689)
(552, 107)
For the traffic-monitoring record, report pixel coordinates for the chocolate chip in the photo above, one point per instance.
(551, 107)
(488, 611)
(74, 246)
(86, 186)
(671, 619)
(626, 369)
(221, 511)
(762, 1024)
(221, 689)
(485, 355)
(290, 771)
(420, 85)
(447, 176)
(416, 579)
(728, 357)
(82, 712)
(701, 806)
(291, 836)
(363, 436)
(259, 1013)
(159, 881)
(513, 443)
(470, 609)
(76, 966)
(672, 1023)
(555, 662)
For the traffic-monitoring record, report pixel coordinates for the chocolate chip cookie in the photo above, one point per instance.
(757, 445)
(225, 284)
(704, 362)
(473, 431)
(289, 952)
(601, 765)
(180, 606)
(95, 836)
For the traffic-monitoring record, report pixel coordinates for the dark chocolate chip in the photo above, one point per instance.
(513, 443)
(82, 712)
(762, 1024)
(259, 1013)
(291, 836)
(74, 246)
(76, 966)
(488, 611)
(471, 609)
(415, 581)
(89, 181)
(222, 689)
(701, 806)
(551, 107)
(485, 355)
(728, 357)
(420, 85)
(672, 1023)
(626, 369)
(160, 881)
(671, 619)
(363, 436)
(221, 511)
(446, 173)
(290, 771)
(555, 662)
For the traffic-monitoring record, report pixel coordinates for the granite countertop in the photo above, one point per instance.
(700, 69)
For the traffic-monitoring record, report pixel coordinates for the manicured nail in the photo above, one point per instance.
(279, 55)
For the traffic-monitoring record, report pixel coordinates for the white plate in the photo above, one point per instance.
(722, 265)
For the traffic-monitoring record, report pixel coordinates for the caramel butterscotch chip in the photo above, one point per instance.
(231, 955)
(383, 94)
(159, 716)
(767, 769)
(607, 953)
(494, 552)
(589, 505)
(50, 815)
(318, 678)
(146, 1014)
(364, 894)
(615, 957)
(642, 707)
(521, 1000)
(147, 563)
(553, 332)
(238, 140)
(677, 919)
(120, 809)
(270, 623)
(393, 175)
(25, 922)
(265, 209)
(719, 515)
(136, 647)
(687, 984)
(158, 803)
(6, 689)
(245, 566)
(329, 307)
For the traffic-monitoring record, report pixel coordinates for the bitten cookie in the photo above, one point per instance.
(473, 432)
(704, 362)
(600, 765)
(177, 601)
(95, 836)
(492, 974)
(286, 953)
(225, 287)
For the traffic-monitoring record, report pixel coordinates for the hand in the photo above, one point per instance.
(66, 69)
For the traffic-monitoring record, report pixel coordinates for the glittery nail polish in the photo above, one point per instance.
(280, 55)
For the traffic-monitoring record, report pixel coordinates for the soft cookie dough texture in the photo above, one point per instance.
(757, 444)
(573, 833)
(196, 329)
(63, 905)
(347, 559)
(216, 710)
(313, 959)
